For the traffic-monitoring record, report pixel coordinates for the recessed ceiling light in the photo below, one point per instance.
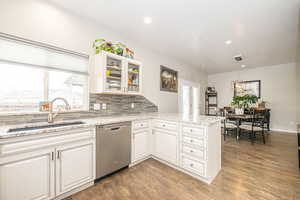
(228, 42)
(147, 20)
(243, 66)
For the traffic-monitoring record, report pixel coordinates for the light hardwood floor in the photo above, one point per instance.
(258, 172)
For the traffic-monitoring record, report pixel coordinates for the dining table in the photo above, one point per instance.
(238, 118)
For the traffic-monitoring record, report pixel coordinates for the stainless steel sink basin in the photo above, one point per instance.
(30, 128)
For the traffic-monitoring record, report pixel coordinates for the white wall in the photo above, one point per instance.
(279, 86)
(40, 21)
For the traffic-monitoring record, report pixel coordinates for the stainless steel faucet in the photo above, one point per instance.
(52, 116)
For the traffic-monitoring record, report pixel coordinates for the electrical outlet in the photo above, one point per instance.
(104, 106)
(97, 106)
(132, 105)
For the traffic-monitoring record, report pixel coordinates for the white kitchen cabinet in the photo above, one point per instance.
(141, 134)
(141, 145)
(47, 166)
(74, 166)
(28, 176)
(110, 73)
(165, 146)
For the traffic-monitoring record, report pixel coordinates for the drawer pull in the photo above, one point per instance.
(191, 141)
(191, 130)
(141, 124)
(191, 151)
(163, 125)
(192, 165)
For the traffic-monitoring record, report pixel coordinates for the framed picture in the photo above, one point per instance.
(248, 88)
(168, 79)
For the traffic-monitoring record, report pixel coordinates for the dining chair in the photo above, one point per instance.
(227, 125)
(257, 125)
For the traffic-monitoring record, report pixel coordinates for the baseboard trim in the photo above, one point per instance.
(74, 191)
(178, 168)
(283, 130)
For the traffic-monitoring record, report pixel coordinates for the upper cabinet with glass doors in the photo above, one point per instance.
(110, 73)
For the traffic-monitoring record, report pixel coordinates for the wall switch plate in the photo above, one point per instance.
(104, 106)
(132, 105)
(97, 106)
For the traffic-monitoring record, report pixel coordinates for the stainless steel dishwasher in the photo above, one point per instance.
(113, 148)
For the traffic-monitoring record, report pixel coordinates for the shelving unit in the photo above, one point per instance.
(211, 103)
(115, 74)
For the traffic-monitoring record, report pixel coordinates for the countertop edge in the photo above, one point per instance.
(98, 121)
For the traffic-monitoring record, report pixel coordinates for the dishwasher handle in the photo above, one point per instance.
(115, 128)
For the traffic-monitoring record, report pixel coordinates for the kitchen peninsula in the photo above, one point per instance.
(191, 144)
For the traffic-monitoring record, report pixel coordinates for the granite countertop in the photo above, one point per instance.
(91, 122)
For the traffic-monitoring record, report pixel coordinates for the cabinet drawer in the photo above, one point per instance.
(140, 125)
(166, 125)
(194, 166)
(197, 153)
(201, 142)
(199, 132)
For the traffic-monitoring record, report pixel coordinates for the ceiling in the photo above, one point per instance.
(265, 32)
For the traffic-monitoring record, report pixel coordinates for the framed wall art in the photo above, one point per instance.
(248, 88)
(168, 79)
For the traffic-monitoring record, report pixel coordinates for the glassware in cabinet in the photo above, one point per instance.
(133, 78)
(113, 73)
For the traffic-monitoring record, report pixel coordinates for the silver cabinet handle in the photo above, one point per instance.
(192, 165)
(191, 141)
(52, 155)
(58, 155)
(192, 151)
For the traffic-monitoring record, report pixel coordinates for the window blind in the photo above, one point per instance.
(21, 51)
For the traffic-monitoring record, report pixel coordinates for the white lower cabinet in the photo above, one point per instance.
(54, 166)
(191, 148)
(74, 166)
(28, 176)
(141, 145)
(165, 146)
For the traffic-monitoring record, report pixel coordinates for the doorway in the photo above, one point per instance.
(189, 97)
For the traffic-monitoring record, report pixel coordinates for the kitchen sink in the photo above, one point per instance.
(57, 125)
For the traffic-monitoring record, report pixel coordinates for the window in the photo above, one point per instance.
(32, 74)
(70, 86)
(21, 88)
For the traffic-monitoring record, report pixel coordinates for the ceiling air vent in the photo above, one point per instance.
(238, 58)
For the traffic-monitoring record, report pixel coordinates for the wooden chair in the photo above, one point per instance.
(226, 124)
(257, 125)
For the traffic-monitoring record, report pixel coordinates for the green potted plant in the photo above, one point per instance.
(243, 102)
(102, 45)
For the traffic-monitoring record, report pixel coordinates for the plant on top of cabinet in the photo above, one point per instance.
(115, 48)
